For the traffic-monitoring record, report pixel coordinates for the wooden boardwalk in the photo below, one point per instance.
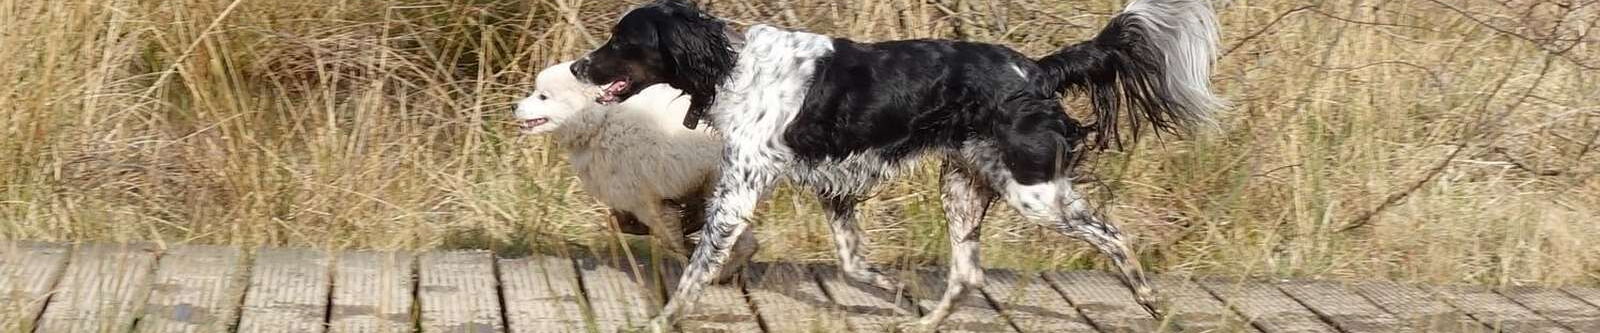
(116, 288)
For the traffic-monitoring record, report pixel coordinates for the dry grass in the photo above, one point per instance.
(1439, 141)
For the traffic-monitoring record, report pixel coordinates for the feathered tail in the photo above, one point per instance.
(1154, 60)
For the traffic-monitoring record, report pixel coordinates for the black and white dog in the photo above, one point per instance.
(840, 116)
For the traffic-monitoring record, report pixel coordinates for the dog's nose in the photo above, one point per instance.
(523, 105)
(580, 69)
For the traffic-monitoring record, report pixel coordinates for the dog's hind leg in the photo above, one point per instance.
(1029, 162)
(1056, 205)
(667, 226)
(1084, 223)
(848, 239)
(966, 199)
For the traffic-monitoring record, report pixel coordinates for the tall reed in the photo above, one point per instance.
(1439, 140)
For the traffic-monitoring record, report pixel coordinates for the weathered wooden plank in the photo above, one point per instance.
(1590, 295)
(1269, 309)
(971, 314)
(866, 308)
(542, 295)
(1032, 305)
(1190, 308)
(27, 272)
(1496, 310)
(618, 292)
(103, 289)
(457, 292)
(1343, 307)
(372, 292)
(288, 292)
(722, 307)
(1104, 299)
(788, 299)
(1416, 308)
(1571, 313)
(196, 289)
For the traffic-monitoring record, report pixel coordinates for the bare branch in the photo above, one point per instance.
(1366, 217)
(1545, 44)
(1264, 28)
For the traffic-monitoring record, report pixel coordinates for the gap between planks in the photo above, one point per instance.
(866, 308)
(458, 292)
(1350, 308)
(103, 288)
(1268, 309)
(621, 293)
(196, 289)
(1104, 300)
(28, 271)
(373, 292)
(1495, 310)
(288, 291)
(789, 299)
(541, 294)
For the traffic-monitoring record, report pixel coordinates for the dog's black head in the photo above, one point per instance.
(667, 41)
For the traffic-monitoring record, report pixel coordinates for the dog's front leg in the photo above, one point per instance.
(745, 178)
(848, 241)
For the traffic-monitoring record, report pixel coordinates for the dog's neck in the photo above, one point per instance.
(582, 131)
(702, 76)
(766, 88)
(735, 39)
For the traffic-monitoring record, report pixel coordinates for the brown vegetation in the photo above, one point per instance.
(1437, 140)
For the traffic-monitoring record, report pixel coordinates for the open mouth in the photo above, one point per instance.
(531, 124)
(612, 93)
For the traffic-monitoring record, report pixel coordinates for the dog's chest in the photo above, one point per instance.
(763, 96)
(767, 85)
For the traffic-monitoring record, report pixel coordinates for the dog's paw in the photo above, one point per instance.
(1157, 309)
(1152, 303)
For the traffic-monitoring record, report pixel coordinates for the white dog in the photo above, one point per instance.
(635, 157)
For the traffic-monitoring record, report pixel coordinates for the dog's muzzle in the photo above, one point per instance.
(580, 69)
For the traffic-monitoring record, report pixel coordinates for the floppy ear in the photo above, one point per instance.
(698, 56)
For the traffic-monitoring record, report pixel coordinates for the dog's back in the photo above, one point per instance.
(902, 97)
(641, 155)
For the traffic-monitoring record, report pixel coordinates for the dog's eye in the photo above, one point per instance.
(542, 97)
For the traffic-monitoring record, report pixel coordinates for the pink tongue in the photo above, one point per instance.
(616, 87)
(612, 91)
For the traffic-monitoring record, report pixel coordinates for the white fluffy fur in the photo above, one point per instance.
(631, 156)
(1186, 34)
